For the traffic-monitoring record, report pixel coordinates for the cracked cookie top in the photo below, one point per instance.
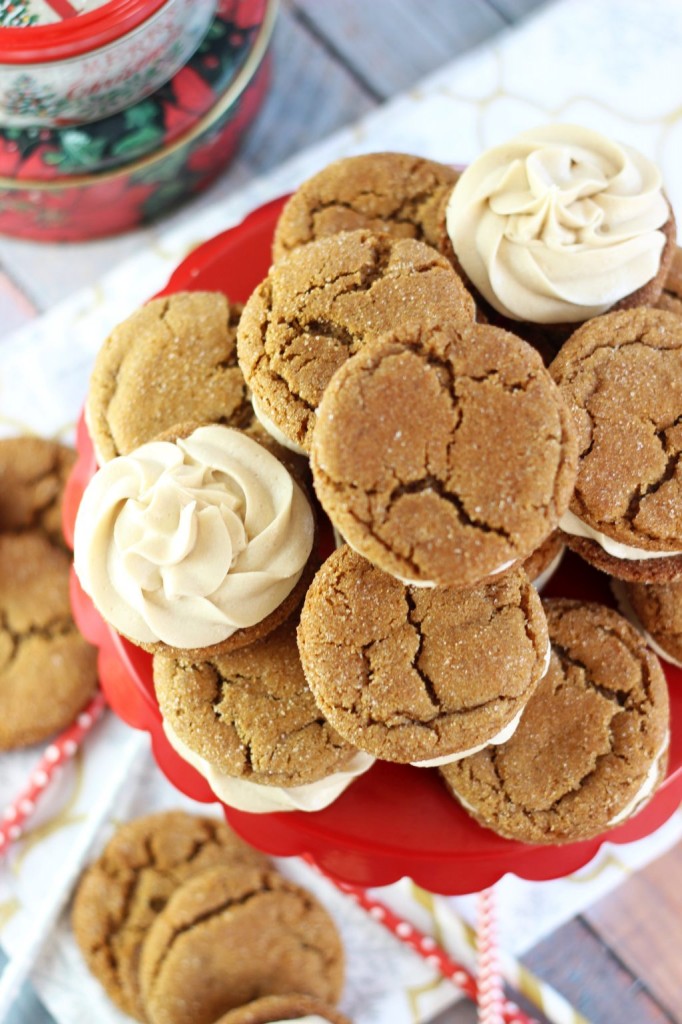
(621, 375)
(173, 361)
(412, 674)
(393, 193)
(251, 713)
(658, 607)
(321, 303)
(121, 893)
(227, 935)
(33, 472)
(444, 454)
(47, 670)
(592, 743)
(671, 296)
(276, 1009)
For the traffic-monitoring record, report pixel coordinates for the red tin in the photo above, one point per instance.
(396, 820)
(77, 207)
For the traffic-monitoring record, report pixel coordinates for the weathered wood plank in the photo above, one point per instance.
(392, 44)
(642, 920)
(590, 975)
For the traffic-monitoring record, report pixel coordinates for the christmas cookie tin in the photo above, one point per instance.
(45, 154)
(71, 61)
(83, 206)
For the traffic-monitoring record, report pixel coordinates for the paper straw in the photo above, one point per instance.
(423, 944)
(23, 958)
(490, 987)
(59, 751)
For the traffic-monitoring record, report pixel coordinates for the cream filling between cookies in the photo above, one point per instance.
(186, 542)
(501, 737)
(571, 523)
(273, 430)
(631, 615)
(261, 799)
(645, 790)
(545, 576)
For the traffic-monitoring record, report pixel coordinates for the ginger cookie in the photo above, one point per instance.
(392, 193)
(416, 674)
(173, 361)
(656, 610)
(276, 1009)
(592, 744)
(444, 454)
(671, 296)
(621, 375)
(197, 544)
(33, 472)
(251, 713)
(229, 936)
(545, 560)
(47, 670)
(121, 893)
(320, 304)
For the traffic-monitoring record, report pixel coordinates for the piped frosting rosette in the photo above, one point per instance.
(558, 224)
(188, 542)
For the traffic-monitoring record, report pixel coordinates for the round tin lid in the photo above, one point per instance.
(39, 31)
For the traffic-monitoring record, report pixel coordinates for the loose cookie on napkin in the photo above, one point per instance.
(230, 935)
(120, 895)
(277, 1009)
(33, 472)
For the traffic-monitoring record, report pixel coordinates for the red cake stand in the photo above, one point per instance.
(395, 820)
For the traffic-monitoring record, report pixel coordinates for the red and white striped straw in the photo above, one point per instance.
(60, 750)
(490, 986)
(425, 945)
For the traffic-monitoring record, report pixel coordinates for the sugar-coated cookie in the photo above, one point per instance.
(444, 453)
(320, 304)
(414, 674)
(47, 670)
(395, 193)
(121, 893)
(275, 1009)
(33, 472)
(228, 935)
(592, 744)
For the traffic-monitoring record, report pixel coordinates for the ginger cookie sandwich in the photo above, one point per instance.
(420, 675)
(121, 893)
(248, 722)
(322, 303)
(229, 935)
(671, 296)
(389, 193)
(48, 672)
(298, 1009)
(33, 472)
(173, 360)
(197, 544)
(545, 560)
(592, 744)
(621, 376)
(655, 609)
(444, 453)
(558, 225)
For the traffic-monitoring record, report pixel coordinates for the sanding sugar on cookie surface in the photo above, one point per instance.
(444, 454)
(592, 744)
(621, 375)
(229, 935)
(412, 674)
(393, 193)
(321, 303)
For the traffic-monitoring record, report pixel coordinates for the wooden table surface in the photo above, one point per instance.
(620, 962)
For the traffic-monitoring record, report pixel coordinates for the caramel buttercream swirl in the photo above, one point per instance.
(186, 542)
(558, 224)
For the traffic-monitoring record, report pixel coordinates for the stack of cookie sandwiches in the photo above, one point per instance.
(182, 922)
(462, 373)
